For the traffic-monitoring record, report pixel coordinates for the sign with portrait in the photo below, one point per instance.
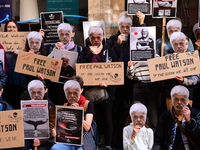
(67, 116)
(33, 64)
(111, 73)
(13, 40)
(142, 43)
(71, 55)
(49, 22)
(88, 24)
(12, 129)
(164, 8)
(36, 119)
(144, 6)
(167, 67)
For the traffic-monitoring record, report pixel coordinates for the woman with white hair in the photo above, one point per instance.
(66, 34)
(173, 25)
(196, 31)
(136, 135)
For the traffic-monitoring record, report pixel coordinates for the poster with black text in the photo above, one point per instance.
(144, 6)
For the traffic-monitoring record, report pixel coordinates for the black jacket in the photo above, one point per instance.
(166, 123)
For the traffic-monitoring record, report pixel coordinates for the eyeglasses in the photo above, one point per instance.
(14, 27)
(181, 99)
(136, 117)
(62, 34)
(93, 38)
(37, 43)
(70, 93)
(123, 27)
(181, 44)
(38, 92)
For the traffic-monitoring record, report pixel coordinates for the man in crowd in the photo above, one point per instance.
(168, 134)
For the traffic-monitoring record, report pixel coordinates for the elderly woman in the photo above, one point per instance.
(178, 42)
(73, 91)
(172, 26)
(94, 54)
(15, 81)
(65, 33)
(136, 136)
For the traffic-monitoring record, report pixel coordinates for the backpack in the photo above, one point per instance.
(93, 125)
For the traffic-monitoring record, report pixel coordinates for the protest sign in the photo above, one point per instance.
(142, 43)
(111, 73)
(36, 119)
(144, 6)
(49, 22)
(88, 24)
(12, 129)
(69, 116)
(13, 40)
(183, 64)
(164, 8)
(72, 56)
(33, 64)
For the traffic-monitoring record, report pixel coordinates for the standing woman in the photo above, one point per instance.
(15, 81)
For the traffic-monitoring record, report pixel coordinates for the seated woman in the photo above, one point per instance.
(73, 91)
(136, 135)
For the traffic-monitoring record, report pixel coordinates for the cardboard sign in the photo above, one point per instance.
(13, 40)
(69, 125)
(142, 43)
(183, 64)
(71, 55)
(33, 64)
(49, 22)
(36, 119)
(111, 73)
(164, 8)
(12, 129)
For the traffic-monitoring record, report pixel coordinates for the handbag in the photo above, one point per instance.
(183, 131)
(96, 95)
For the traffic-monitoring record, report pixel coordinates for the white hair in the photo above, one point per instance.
(35, 84)
(195, 27)
(180, 90)
(95, 30)
(34, 35)
(177, 36)
(125, 19)
(65, 27)
(138, 107)
(65, 56)
(72, 84)
(174, 23)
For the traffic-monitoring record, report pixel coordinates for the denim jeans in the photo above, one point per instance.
(65, 147)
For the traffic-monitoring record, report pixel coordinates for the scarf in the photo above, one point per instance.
(68, 46)
(81, 101)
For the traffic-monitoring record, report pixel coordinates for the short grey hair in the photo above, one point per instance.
(180, 90)
(72, 84)
(138, 107)
(125, 18)
(177, 36)
(35, 84)
(34, 35)
(174, 23)
(95, 30)
(65, 56)
(195, 27)
(65, 27)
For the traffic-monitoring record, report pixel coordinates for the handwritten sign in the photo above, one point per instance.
(13, 40)
(12, 129)
(183, 64)
(93, 73)
(33, 64)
